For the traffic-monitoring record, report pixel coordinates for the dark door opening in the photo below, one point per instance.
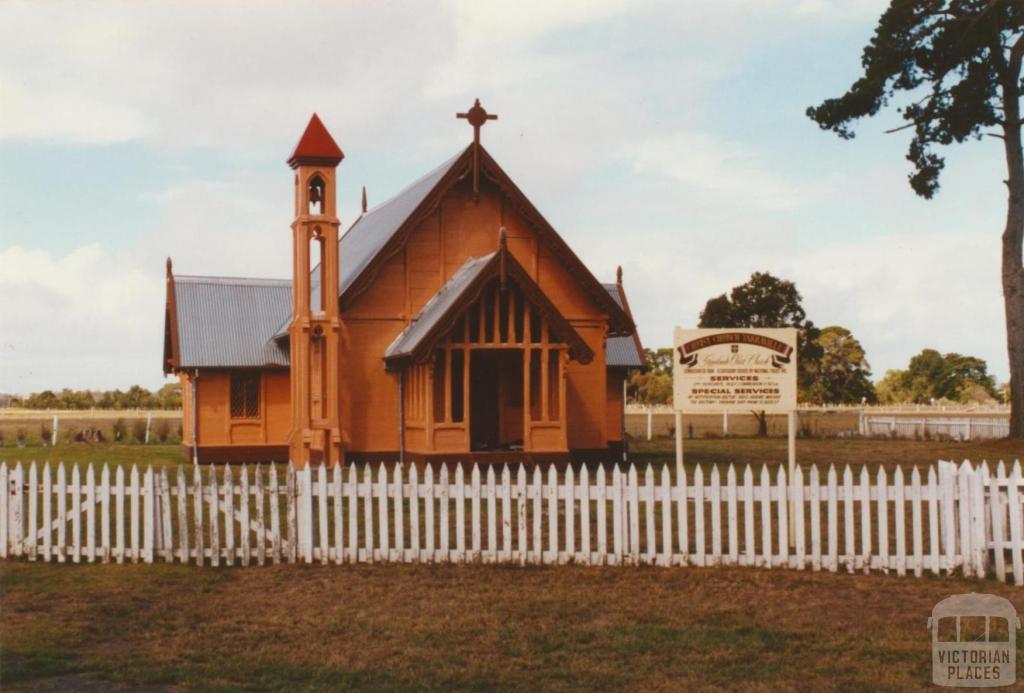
(496, 399)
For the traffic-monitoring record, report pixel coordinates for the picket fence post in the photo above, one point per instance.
(305, 510)
(8, 492)
(149, 514)
(1013, 502)
(978, 542)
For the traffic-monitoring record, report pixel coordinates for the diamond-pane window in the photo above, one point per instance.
(245, 395)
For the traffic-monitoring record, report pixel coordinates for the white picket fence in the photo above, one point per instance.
(953, 519)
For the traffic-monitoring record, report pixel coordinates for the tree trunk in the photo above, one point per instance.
(1013, 238)
(1013, 295)
(762, 423)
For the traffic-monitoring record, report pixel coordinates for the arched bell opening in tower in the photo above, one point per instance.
(317, 195)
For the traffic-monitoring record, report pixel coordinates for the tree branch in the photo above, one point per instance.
(901, 127)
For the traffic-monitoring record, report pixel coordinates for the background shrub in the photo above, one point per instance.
(139, 430)
(162, 429)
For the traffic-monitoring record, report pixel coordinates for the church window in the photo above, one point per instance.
(457, 374)
(535, 323)
(554, 384)
(245, 395)
(536, 413)
(439, 376)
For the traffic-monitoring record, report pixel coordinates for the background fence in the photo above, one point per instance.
(951, 519)
(920, 427)
(916, 424)
(21, 427)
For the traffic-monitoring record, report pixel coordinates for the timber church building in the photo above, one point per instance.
(450, 322)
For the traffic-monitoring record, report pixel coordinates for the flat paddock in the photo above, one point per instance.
(397, 627)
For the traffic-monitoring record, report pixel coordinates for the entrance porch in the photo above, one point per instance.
(492, 378)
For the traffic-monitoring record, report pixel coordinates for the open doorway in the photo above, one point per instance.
(496, 399)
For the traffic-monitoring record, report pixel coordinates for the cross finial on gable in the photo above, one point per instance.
(477, 116)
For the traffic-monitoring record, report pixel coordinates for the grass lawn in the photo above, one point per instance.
(97, 454)
(703, 451)
(399, 627)
(826, 451)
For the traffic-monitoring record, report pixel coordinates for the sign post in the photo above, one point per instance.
(729, 370)
(679, 444)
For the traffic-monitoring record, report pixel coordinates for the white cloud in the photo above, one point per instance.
(578, 86)
(218, 74)
(78, 320)
(233, 74)
(729, 170)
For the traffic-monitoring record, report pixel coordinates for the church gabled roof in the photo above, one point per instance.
(441, 304)
(463, 288)
(371, 232)
(378, 234)
(373, 238)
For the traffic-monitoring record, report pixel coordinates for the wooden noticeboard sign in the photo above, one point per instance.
(734, 370)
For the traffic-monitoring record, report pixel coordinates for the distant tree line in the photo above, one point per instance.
(932, 376)
(832, 367)
(135, 397)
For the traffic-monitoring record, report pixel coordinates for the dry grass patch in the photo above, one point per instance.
(391, 627)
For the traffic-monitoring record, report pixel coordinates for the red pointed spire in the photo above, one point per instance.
(316, 147)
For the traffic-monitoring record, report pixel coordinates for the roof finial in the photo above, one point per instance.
(618, 275)
(364, 199)
(476, 116)
(170, 267)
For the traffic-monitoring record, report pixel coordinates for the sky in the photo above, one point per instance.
(666, 137)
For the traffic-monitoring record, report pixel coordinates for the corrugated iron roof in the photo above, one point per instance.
(621, 352)
(465, 285)
(228, 322)
(371, 231)
(436, 308)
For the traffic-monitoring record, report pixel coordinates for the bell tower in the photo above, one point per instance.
(314, 331)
